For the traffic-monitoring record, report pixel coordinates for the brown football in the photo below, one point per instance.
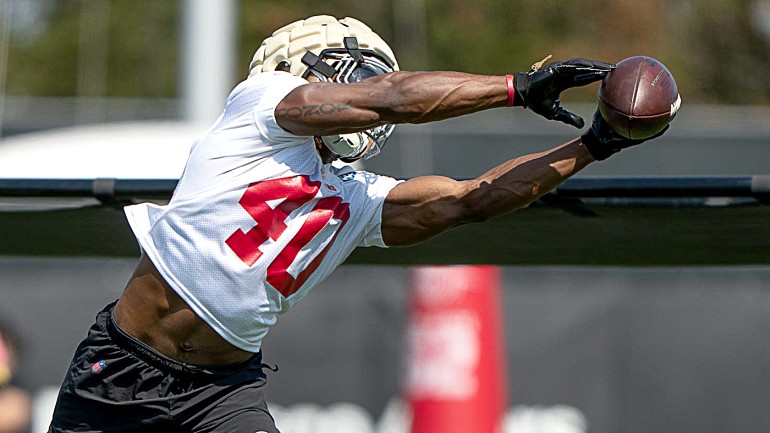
(639, 97)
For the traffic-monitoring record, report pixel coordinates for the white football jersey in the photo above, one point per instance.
(257, 220)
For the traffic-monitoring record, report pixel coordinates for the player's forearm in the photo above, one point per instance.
(518, 182)
(399, 97)
(420, 97)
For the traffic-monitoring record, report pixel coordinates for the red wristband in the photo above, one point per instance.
(511, 92)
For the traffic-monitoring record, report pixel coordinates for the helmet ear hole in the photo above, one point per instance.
(283, 66)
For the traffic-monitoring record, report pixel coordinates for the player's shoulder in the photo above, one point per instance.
(264, 81)
(272, 79)
(369, 183)
(268, 87)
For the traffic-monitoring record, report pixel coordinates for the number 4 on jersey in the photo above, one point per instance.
(271, 222)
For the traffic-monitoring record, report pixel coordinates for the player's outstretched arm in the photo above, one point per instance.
(419, 97)
(423, 207)
(398, 97)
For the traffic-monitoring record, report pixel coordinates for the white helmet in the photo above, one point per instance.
(342, 51)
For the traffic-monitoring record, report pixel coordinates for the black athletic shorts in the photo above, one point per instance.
(118, 384)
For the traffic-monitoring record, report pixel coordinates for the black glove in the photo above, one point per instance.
(539, 89)
(602, 141)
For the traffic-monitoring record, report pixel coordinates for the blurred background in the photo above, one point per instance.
(72, 62)
(118, 88)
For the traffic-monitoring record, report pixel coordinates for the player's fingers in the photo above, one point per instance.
(580, 72)
(594, 65)
(601, 66)
(584, 71)
(569, 118)
(581, 78)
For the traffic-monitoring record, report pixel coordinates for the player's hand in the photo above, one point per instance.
(539, 89)
(602, 141)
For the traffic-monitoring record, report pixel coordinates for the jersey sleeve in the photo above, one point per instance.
(378, 192)
(280, 84)
(368, 192)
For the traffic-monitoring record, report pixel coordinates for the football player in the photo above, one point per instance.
(260, 216)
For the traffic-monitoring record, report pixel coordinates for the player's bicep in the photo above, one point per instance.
(421, 208)
(325, 109)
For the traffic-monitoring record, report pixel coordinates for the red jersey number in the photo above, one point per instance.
(290, 193)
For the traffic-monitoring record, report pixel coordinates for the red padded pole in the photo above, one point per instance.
(456, 377)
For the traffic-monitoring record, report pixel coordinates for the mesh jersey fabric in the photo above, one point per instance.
(257, 219)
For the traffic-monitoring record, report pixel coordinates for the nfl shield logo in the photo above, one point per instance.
(98, 367)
